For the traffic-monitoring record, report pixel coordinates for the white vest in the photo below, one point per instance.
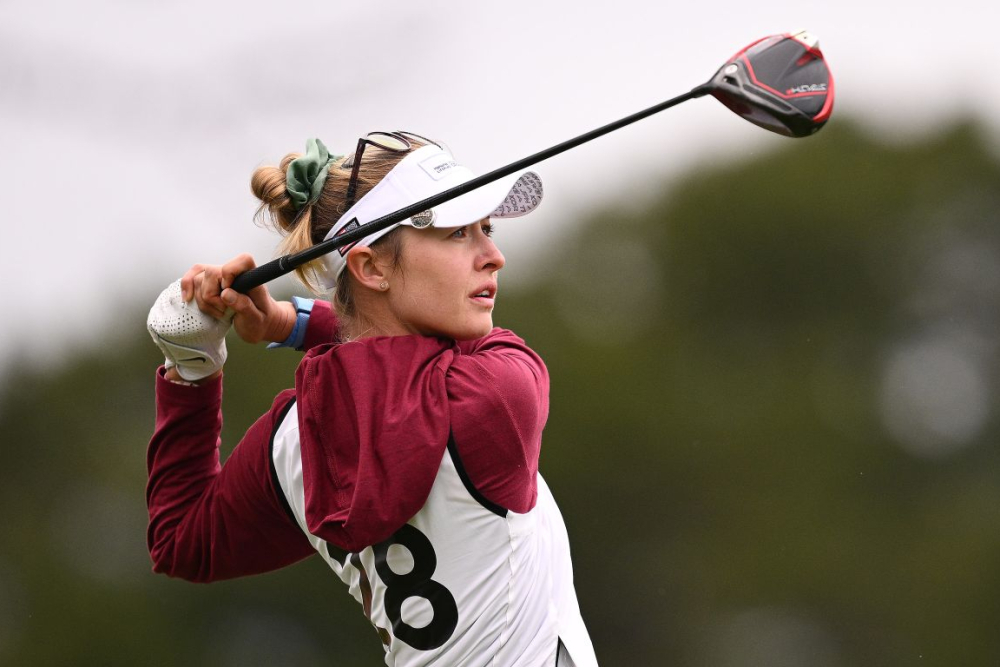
(463, 582)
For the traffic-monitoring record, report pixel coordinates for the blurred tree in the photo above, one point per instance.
(773, 402)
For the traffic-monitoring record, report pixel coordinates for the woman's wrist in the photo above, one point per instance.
(172, 375)
(283, 323)
(301, 310)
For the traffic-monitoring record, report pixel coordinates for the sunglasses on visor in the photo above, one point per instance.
(395, 142)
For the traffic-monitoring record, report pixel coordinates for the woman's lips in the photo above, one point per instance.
(485, 294)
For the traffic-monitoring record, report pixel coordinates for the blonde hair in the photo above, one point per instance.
(309, 225)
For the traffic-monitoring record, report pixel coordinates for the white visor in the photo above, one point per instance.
(425, 172)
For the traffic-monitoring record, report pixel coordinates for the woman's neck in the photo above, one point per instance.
(359, 326)
(355, 328)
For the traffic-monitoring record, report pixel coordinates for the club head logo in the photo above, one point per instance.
(807, 88)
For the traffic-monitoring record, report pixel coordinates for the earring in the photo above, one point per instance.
(383, 285)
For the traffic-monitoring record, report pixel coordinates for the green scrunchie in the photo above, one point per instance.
(306, 175)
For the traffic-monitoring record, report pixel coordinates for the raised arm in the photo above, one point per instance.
(207, 521)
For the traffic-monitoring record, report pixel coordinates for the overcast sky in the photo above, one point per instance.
(129, 129)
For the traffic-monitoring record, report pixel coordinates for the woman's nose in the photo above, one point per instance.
(491, 257)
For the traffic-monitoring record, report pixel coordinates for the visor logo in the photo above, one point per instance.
(352, 225)
(438, 165)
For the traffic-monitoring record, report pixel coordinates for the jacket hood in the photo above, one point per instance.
(373, 426)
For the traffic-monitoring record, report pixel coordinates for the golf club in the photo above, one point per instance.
(781, 83)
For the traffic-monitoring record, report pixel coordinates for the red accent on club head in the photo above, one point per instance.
(816, 52)
(827, 109)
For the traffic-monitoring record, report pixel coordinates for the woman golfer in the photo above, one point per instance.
(407, 454)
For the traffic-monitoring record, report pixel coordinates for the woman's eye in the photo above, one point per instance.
(463, 232)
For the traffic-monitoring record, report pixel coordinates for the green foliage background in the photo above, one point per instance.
(717, 439)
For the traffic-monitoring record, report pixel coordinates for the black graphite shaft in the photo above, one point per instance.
(287, 263)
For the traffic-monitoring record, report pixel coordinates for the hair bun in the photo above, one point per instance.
(268, 185)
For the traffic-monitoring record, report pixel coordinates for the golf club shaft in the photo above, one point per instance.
(287, 263)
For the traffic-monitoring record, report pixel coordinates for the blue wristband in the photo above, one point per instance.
(295, 340)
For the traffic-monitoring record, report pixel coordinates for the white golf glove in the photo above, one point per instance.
(191, 341)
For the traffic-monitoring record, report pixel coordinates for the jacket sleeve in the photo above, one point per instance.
(323, 326)
(209, 521)
(498, 391)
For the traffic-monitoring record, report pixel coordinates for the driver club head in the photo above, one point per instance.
(781, 83)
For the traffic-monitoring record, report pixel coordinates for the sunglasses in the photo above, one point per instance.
(394, 142)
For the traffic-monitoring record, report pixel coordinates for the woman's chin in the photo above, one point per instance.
(473, 330)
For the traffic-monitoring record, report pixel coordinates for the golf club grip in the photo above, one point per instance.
(259, 275)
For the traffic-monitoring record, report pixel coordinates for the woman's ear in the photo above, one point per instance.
(364, 269)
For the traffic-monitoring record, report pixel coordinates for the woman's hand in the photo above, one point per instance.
(257, 315)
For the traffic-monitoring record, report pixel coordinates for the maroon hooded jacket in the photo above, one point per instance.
(375, 416)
